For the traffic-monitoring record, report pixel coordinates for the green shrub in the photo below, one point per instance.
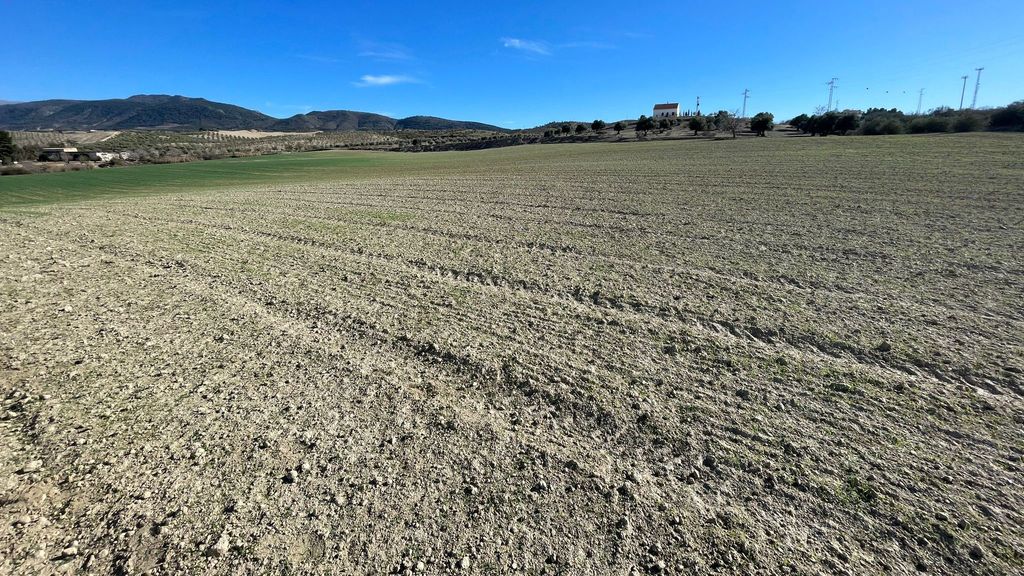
(882, 125)
(847, 122)
(825, 124)
(1009, 118)
(800, 122)
(967, 123)
(929, 124)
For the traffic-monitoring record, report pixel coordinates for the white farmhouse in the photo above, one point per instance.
(669, 110)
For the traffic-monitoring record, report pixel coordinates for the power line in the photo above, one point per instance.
(977, 84)
(831, 87)
(746, 94)
(963, 91)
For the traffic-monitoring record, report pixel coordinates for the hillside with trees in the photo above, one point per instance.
(183, 113)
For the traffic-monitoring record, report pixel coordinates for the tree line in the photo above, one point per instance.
(723, 120)
(877, 121)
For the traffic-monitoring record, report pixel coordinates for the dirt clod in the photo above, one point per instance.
(220, 548)
(30, 467)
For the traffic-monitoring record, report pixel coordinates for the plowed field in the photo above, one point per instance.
(759, 356)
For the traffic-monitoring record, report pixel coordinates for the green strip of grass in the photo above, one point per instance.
(106, 183)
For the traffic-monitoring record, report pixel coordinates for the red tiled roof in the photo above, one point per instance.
(671, 106)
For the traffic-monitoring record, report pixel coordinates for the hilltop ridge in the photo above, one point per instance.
(161, 111)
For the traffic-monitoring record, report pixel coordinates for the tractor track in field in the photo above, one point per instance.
(803, 342)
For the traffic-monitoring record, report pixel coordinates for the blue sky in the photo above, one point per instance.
(516, 64)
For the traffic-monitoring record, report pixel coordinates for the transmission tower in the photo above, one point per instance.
(831, 87)
(920, 95)
(963, 91)
(746, 94)
(977, 84)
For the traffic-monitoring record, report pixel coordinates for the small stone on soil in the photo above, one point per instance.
(220, 549)
(33, 466)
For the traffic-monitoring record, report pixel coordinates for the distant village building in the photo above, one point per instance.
(74, 155)
(669, 110)
(57, 154)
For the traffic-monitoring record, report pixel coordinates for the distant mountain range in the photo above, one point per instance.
(182, 113)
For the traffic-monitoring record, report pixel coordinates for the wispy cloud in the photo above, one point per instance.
(369, 80)
(385, 51)
(588, 45)
(542, 48)
(531, 46)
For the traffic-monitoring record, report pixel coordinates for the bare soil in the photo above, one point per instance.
(770, 356)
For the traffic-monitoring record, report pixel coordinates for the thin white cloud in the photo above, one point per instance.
(531, 46)
(542, 48)
(588, 45)
(369, 80)
(390, 52)
(385, 51)
(385, 55)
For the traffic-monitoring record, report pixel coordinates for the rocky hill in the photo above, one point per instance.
(159, 111)
(183, 113)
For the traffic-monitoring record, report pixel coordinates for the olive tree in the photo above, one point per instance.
(6, 147)
(728, 122)
(697, 123)
(762, 122)
(644, 124)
